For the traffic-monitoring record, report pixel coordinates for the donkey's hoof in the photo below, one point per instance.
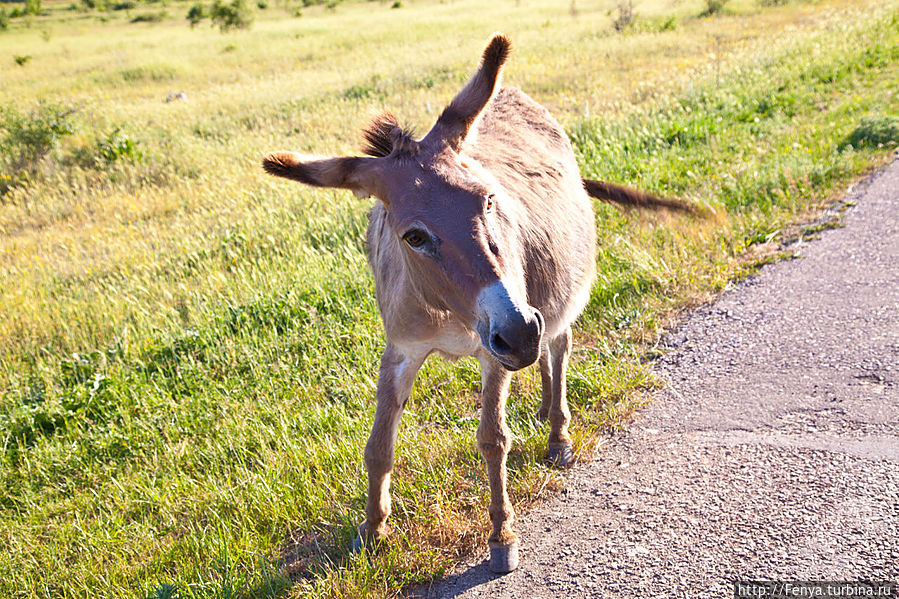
(357, 544)
(561, 455)
(367, 539)
(542, 415)
(503, 557)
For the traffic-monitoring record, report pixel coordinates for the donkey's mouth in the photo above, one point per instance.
(516, 365)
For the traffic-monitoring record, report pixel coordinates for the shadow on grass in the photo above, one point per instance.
(307, 552)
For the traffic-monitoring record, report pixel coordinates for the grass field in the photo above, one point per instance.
(188, 348)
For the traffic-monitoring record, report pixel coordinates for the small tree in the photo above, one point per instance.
(25, 139)
(234, 15)
(32, 7)
(196, 14)
(712, 7)
(625, 15)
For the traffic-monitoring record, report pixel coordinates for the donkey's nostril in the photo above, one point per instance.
(541, 324)
(499, 344)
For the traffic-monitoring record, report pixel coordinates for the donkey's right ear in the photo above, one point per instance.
(354, 173)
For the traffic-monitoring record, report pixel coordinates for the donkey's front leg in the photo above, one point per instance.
(394, 384)
(494, 440)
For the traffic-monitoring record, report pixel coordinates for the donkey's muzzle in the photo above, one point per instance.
(510, 329)
(516, 341)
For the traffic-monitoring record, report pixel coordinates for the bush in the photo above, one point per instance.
(712, 7)
(4, 18)
(126, 5)
(118, 146)
(26, 139)
(625, 15)
(669, 24)
(196, 14)
(234, 15)
(32, 7)
(150, 17)
(21, 60)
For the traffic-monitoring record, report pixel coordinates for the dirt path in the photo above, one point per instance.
(774, 453)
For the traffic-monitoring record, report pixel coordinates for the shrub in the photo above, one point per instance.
(625, 15)
(712, 7)
(21, 60)
(150, 17)
(126, 5)
(118, 146)
(26, 139)
(655, 24)
(4, 18)
(234, 15)
(196, 14)
(149, 72)
(32, 7)
(669, 24)
(262, 4)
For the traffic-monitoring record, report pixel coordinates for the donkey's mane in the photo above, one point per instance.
(383, 135)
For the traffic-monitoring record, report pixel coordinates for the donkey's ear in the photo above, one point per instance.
(356, 174)
(458, 118)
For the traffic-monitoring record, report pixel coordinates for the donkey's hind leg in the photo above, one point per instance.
(560, 450)
(394, 385)
(546, 380)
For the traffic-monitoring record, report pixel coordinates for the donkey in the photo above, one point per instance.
(482, 243)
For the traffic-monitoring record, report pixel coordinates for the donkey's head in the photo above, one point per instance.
(459, 234)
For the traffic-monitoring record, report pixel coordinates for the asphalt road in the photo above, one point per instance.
(773, 453)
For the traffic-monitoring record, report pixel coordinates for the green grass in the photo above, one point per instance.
(188, 348)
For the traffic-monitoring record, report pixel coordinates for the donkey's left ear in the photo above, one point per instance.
(358, 174)
(459, 117)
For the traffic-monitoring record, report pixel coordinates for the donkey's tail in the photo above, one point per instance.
(634, 198)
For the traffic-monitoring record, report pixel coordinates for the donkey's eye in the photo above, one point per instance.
(489, 204)
(415, 238)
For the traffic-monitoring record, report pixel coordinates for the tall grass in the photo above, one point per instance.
(189, 349)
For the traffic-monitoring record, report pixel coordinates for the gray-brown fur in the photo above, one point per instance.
(634, 198)
(482, 243)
